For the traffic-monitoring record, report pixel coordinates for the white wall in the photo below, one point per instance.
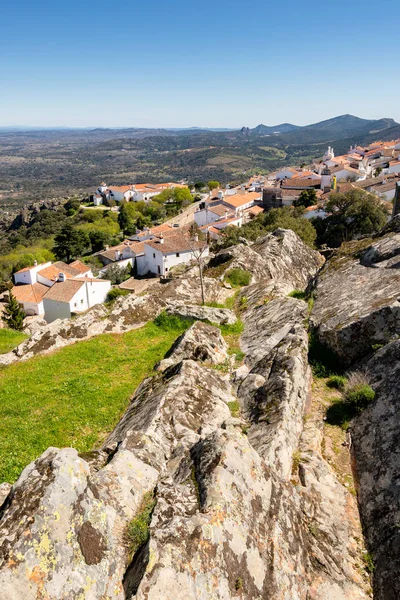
(89, 294)
(284, 173)
(30, 276)
(205, 216)
(155, 263)
(55, 310)
(394, 168)
(31, 308)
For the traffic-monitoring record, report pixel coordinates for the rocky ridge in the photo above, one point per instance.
(228, 464)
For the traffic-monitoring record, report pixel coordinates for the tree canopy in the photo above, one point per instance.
(352, 214)
(307, 198)
(212, 185)
(13, 314)
(70, 243)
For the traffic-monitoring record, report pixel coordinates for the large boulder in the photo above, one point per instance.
(280, 256)
(288, 259)
(274, 394)
(375, 448)
(220, 316)
(356, 304)
(202, 342)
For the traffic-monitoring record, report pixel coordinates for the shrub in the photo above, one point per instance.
(234, 407)
(115, 293)
(238, 277)
(359, 396)
(336, 381)
(138, 529)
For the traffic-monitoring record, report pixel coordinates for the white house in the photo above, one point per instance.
(394, 166)
(30, 297)
(208, 213)
(240, 202)
(69, 296)
(28, 275)
(33, 283)
(164, 253)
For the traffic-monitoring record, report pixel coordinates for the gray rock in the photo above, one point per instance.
(220, 316)
(201, 342)
(4, 491)
(375, 448)
(275, 393)
(288, 259)
(357, 306)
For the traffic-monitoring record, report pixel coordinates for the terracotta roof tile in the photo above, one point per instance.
(30, 293)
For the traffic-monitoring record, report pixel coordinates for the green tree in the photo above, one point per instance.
(378, 171)
(352, 214)
(13, 314)
(212, 185)
(307, 198)
(199, 185)
(70, 243)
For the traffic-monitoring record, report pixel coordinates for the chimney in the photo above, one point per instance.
(106, 248)
(35, 263)
(117, 255)
(61, 277)
(161, 239)
(196, 237)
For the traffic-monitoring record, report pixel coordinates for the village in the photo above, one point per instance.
(59, 290)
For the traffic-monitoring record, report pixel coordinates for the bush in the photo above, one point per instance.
(359, 396)
(336, 381)
(115, 293)
(238, 277)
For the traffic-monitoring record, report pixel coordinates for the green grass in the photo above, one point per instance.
(138, 529)
(238, 277)
(9, 339)
(299, 294)
(234, 407)
(75, 396)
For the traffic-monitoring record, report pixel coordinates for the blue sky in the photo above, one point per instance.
(220, 63)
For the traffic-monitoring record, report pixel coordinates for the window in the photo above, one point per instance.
(75, 305)
(82, 301)
(154, 254)
(177, 255)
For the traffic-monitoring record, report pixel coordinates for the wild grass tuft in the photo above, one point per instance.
(138, 529)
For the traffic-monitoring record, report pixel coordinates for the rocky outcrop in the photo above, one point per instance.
(200, 342)
(288, 259)
(188, 290)
(280, 258)
(375, 449)
(128, 312)
(275, 392)
(357, 304)
(226, 521)
(220, 316)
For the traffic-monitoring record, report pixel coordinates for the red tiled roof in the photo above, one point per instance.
(30, 293)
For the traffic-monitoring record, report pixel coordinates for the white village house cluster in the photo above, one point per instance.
(59, 290)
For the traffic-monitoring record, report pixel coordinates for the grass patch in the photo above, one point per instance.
(356, 396)
(238, 277)
(299, 294)
(138, 529)
(114, 293)
(167, 322)
(10, 339)
(234, 407)
(75, 396)
(337, 382)
(323, 361)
